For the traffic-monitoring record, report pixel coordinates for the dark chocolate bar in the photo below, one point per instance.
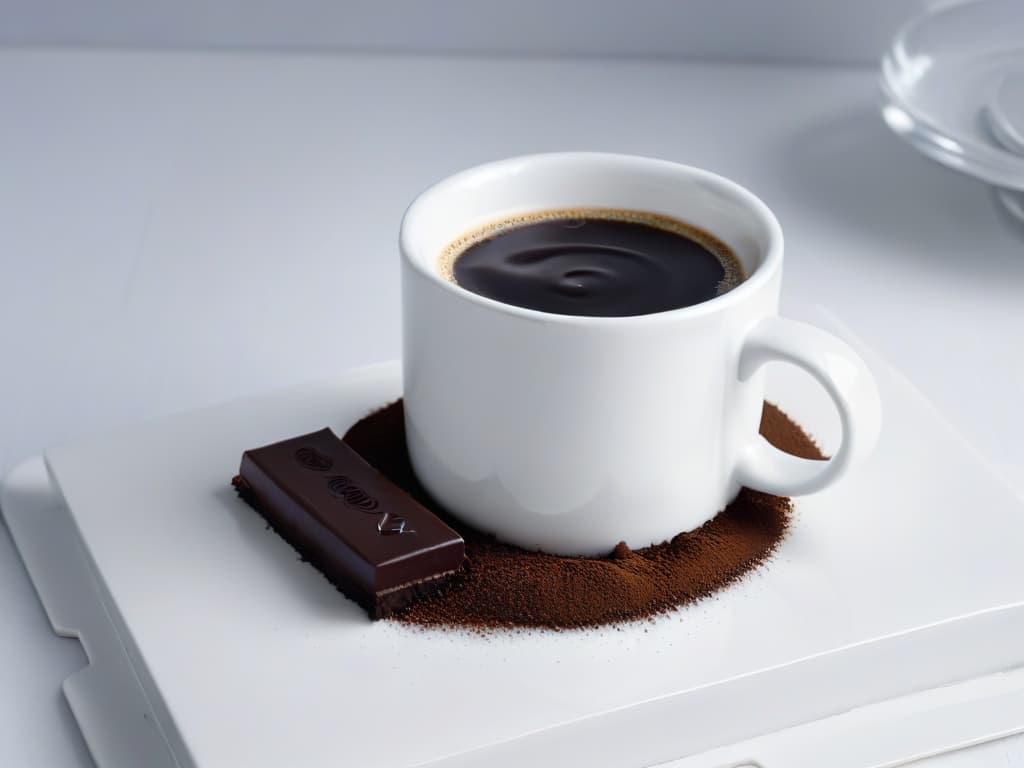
(365, 534)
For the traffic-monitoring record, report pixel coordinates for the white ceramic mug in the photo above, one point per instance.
(570, 434)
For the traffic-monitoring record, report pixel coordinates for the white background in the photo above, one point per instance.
(834, 31)
(177, 229)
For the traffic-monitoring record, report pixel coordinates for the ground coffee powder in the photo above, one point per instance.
(503, 586)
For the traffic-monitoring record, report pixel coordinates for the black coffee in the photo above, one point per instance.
(604, 263)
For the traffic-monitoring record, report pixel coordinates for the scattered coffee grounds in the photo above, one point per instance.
(503, 586)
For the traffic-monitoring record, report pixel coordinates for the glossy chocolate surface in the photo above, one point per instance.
(368, 536)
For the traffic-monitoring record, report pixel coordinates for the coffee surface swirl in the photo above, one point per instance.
(600, 262)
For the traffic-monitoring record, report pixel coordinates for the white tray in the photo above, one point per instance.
(888, 626)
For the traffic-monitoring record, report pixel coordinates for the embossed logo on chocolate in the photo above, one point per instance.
(353, 496)
(311, 458)
(358, 499)
(389, 525)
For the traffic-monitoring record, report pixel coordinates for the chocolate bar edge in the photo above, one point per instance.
(378, 605)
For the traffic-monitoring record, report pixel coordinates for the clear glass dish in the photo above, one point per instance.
(940, 78)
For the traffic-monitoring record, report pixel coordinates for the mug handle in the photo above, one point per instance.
(848, 382)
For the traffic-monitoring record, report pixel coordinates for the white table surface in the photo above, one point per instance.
(180, 229)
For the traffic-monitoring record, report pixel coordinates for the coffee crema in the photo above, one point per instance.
(599, 262)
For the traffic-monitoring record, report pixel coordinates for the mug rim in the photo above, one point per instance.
(769, 265)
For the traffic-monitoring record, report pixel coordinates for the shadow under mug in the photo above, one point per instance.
(570, 434)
